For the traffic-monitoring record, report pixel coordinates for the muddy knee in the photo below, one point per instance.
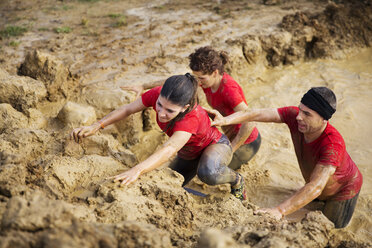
(208, 177)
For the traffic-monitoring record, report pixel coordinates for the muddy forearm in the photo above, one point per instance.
(241, 116)
(310, 191)
(156, 160)
(114, 116)
(151, 85)
(243, 134)
(302, 197)
(167, 151)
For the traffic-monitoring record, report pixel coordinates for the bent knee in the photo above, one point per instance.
(208, 177)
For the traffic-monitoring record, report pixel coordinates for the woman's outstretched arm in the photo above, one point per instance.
(139, 88)
(119, 114)
(168, 149)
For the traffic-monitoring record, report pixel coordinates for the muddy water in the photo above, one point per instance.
(351, 80)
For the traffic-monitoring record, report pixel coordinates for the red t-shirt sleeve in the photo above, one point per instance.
(232, 95)
(288, 115)
(150, 97)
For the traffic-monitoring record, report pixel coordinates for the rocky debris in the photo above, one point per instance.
(28, 144)
(36, 119)
(77, 207)
(11, 118)
(51, 71)
(75, 115)
(65, 175)
(103, 145)
(84, 234)
(104, 101)
(214, 238)
(34, 212)
(20, 92)
(306, 35)
(12, 176)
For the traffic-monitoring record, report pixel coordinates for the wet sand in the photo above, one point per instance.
(53, 192)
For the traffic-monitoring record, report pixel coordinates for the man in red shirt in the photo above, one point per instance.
(329, 172)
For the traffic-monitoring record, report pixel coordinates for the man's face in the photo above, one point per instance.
(308, 120)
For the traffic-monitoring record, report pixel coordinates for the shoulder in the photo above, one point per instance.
(229, 82)
(332, 136)
(150, 97)
(288, 113)
(191, 121)
(230, 88)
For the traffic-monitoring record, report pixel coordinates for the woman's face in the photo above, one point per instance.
(205, 80)
(167, 110)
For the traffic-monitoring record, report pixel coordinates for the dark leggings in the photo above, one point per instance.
(211, 166)
(340, 212)
(245, 153)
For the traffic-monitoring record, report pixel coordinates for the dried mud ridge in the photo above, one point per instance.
(305, 36)
(53, 192)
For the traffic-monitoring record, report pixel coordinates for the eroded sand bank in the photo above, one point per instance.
(53, 192)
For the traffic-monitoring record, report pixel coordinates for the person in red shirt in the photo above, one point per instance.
(226, 96)
(223, 94)
(329, 172)
(201, 149)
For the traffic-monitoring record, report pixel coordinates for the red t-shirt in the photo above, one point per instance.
(225, 99)
(328, 149)
(196, 122)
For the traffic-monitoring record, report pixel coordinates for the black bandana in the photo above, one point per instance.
(317, 103)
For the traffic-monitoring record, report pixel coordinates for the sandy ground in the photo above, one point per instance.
(61, 65)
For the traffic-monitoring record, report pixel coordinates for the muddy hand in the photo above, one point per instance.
(214, 114)
(219, 120)
(79, 133)
(127, 177)
(138, 89)
(273, 212)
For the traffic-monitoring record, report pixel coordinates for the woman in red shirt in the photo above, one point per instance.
(201, 149)
(223, 94)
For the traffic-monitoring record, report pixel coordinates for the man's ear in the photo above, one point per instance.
(216, 73)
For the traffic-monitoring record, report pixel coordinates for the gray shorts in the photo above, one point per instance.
(245, 153)
(340, 212)
(211, 167)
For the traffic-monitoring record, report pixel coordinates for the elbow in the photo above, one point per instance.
(170, 150)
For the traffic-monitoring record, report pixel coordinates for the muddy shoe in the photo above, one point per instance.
(239, 190)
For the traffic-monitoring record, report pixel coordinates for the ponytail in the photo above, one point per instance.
(224, 58)
(180, 90)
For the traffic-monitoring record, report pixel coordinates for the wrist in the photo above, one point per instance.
(138, 169)
(97, 126)
(280, 210)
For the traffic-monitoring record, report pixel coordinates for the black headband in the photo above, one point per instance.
(317, 103)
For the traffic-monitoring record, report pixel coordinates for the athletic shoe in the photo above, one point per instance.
(239, 191)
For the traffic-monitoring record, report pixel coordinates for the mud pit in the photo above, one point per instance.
(64, 71)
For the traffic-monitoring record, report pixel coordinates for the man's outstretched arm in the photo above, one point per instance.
(306, 194)
(259, 115)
